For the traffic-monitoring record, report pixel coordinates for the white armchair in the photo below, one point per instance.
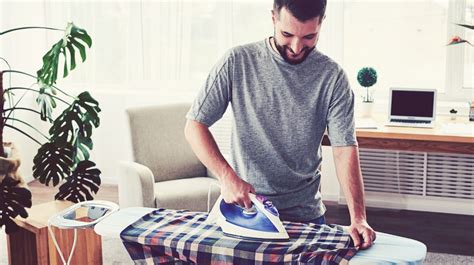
(165, 172)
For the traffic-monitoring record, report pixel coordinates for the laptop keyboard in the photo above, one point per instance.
(410, 123)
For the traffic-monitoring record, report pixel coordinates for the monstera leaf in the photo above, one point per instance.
(46, 102)
(82, 145)
(83, 181)
(62, 130)
(82, 114)
(53, 162)
(90, 117)
(13, 201)
(74, 126)
(48, 74)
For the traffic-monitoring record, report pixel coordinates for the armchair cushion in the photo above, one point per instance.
(190, 193)
(158, 142)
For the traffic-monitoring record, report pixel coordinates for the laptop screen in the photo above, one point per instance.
(412, 103)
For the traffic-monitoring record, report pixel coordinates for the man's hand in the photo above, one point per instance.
(235, 190)
(362, 234)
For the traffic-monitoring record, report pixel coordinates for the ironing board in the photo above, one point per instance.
(388, 249)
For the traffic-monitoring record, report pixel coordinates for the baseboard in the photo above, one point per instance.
(417, 203)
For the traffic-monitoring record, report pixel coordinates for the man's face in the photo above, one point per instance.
(294, 39)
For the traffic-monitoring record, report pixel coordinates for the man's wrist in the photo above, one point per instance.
(358, 215)
(226, 174)
(358, 220)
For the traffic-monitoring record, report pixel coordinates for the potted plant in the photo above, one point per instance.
(459, 40)
(63, 154)
(453, 113)
(367, 77)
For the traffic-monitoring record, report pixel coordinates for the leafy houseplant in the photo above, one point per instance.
(367, 77)
(63, 155)
(459, 40)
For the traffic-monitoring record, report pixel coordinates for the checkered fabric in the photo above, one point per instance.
(183, 237)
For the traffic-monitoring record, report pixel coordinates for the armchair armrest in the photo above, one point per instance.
(136, 185)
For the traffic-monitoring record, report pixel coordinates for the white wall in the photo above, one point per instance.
(330, 188)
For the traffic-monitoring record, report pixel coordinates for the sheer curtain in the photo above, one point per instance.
(168, 47)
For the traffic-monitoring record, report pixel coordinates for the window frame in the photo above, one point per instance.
(455, 89)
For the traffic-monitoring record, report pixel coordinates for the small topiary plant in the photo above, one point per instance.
(367, 77)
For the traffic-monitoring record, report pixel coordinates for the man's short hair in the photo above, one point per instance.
(303, 10)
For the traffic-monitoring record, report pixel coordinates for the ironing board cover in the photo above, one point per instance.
(183, 237)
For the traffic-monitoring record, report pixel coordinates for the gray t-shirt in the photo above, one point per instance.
(281, 112)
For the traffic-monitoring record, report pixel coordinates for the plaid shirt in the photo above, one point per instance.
(183, 237)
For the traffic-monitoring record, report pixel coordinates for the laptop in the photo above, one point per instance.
(412, 107)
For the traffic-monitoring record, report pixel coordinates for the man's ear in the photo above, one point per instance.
(273, 16)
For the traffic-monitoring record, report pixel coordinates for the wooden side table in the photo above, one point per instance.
(33, 244)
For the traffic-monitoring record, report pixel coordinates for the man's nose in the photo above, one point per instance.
(296, 46)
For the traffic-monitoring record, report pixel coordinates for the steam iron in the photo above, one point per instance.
(260, 222)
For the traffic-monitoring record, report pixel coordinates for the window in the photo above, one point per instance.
(462, 56)
(405, 42)
(468, 82)
(173, 44)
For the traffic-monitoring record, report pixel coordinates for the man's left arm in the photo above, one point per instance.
(346, 159)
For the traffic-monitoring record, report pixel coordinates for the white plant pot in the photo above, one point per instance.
(453, 116)
(366, 109)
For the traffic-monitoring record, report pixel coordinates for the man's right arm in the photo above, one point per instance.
(233, 188)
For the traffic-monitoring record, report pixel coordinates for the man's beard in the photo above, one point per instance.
(282, 50)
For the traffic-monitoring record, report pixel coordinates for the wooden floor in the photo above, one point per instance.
(442, 233)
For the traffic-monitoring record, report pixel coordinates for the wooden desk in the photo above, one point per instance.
(414, 139)
(34, 245)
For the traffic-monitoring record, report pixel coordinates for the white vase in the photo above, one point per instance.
(366, 109)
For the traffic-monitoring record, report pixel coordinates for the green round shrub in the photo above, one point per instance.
(367, 76)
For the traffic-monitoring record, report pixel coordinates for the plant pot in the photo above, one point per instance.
(9, 165)
(13, 191)
(366, 109)
(452, 116)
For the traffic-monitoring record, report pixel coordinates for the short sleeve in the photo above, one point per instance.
(215, 95)
(340, 119)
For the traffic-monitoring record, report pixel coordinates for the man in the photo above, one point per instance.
(284, 94)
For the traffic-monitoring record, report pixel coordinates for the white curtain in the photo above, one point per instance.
(169, 46)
